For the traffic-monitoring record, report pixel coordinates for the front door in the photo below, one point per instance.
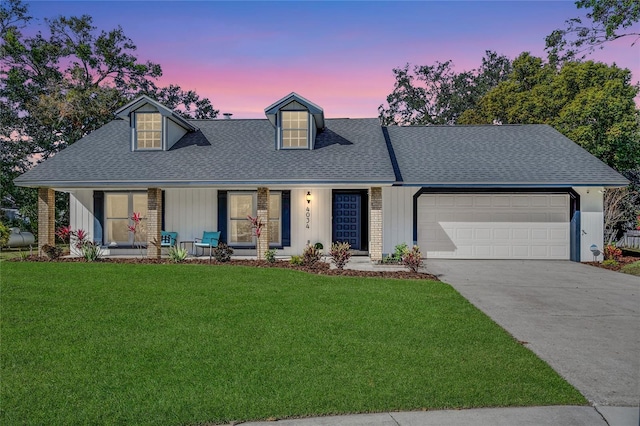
(347, 219)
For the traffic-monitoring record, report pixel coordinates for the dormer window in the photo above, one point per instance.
(296, 120)
(295, 129)
(153, 126)
(148, 130)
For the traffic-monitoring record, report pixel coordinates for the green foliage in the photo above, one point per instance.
(91, 251)
(591, 103)
(178, 254)
(222, 253)
(56, 88)
(412, 259)
(175, 344)
(436, 94)
(270, 255)
(610, 263)
(340, 254)
(311, 255)
(296, 260)
(398, 251)
(608, 20)
(4, 235)
(632, 269)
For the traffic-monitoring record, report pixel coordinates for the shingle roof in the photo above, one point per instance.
(522, 155)
(221, 152)
(348, 151)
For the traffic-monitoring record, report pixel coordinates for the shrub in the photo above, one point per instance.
(52, 252)
(400, 250)
(611, 252)
(296, 260)
(270, 255)
(4, 235)
(396, 257)
(222, 253)
(311, 255)
(91, 251)
(340, 254)
(412, 259)
(178, 254)
(610, 263)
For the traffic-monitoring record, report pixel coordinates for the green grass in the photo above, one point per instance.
(632, 268)
(188, 344)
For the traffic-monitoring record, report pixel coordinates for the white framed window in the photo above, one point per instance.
(243, 204)
(119, 207)
(295, 129)
(148, 130)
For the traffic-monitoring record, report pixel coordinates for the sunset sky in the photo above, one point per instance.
(340, 55)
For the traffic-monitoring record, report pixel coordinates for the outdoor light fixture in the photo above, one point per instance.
(596, 251)
(308, 197)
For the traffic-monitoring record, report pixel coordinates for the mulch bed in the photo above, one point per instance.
(622, 261)
(320, 268)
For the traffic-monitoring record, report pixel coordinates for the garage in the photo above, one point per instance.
(494, 226)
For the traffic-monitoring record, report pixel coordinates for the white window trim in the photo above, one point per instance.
(137, 147)
(130, 242)
(254, 213)
(281, 130)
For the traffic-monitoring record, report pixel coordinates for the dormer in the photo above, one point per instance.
(297, 122)
(154, 127)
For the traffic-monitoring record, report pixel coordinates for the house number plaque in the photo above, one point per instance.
(308, 217)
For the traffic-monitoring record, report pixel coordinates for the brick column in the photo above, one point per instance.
(375, 241)
(154, 222)
(262, 243)
(46, 218)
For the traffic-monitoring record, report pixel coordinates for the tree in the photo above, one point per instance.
(57, 88)
(589, 102)
(610, 20)
(436, 94)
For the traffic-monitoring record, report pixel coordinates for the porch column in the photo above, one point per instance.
(375, 241)
(262, 243)
(154, 222)
(46, 218)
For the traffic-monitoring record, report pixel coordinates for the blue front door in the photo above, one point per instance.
(347, 219)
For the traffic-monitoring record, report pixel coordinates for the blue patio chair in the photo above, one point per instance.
(168, 239)
(210, 240)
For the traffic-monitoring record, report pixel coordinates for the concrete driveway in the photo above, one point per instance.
(584, 321)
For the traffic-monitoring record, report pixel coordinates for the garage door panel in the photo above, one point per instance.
(494, 226)
(501, 234)
(540, 234)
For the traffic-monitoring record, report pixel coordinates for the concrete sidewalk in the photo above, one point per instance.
(525, 416)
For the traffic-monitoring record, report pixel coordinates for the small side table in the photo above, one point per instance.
(183, 244)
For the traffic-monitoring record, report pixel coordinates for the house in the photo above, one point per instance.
(470, 192)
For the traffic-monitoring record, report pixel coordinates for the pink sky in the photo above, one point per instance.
(340, 55)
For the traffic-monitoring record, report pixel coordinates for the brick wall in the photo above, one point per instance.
(46, 218)
(154, 222)
(263, 214)
(375, 241)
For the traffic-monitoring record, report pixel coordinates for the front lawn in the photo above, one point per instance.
(189, 344)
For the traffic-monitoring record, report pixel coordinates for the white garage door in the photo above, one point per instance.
(494, 226)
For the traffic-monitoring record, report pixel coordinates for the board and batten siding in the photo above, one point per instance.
(190, 212)
(319, 230)
(591, 221)
(397, 217)
(81, 213)
(81, 210)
